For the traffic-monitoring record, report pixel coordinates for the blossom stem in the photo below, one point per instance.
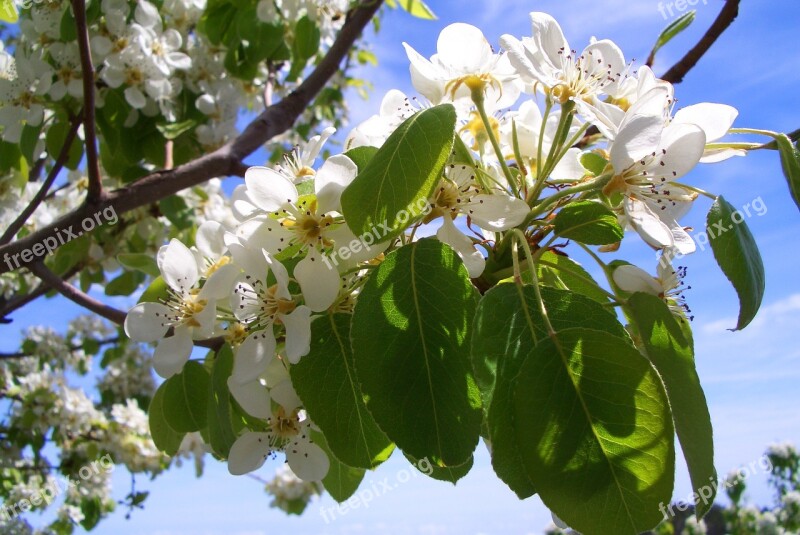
(523, 241)
(478, 100)
(697, 190)
(595, 184)
(756, 131)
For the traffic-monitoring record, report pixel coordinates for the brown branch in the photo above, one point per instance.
(226, 160)
(62, 157)
(19, 301)
(89, 127)
(725, 18)
(75, 295)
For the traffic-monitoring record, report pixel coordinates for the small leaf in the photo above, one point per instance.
(140, 262)
(664, 344)
(164, 436)
(8, 11)
(391, 191)
(186, 398)
(54, 141)
(173, 130)
(508, 325)
(588, 222)
(410, 336)
(361, 156)
(342, 481)
(220, 428)
(156, 292)
(672, 30)
(594, 428)
(417, 8)
(325, 380)
(451, 474)
(737, 254)
(790, 161)
(564, 273)
(306, 39)
(125, 284)
(594, 163)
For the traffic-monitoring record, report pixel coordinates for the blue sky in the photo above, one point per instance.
(750, 377)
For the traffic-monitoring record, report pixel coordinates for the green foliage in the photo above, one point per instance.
(326, 381)
(588, 222)
(790, 161)
(409, 337)
(186, 398)
(737, 254)
(389, 192)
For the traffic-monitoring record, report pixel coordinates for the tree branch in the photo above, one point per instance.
(226, 160)
(89, 126)
(725, 18)
(19, 301)
(62, 157)
(75, 295)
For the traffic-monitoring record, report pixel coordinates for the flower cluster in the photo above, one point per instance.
(258, 278)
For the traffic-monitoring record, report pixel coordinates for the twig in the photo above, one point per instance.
(725, 18)
(75, 295)
(61, 159)
(227, 160)
(87, 72)
(19, 301)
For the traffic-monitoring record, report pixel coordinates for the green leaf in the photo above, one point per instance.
(737, 254)
(664, 344)
(564, 273)
(790, 161)
(175, 209)
(156, 292)
(674, 28)
(54, 140)
(588, 222)
(507, 326)
(306, 39)
(125, 284)
(220, 427)
(342, 481)
(451, 474)
(409, 336)
(186, 398)
(594, 428)
(8, 11)
(392, 190)
(140, 262)
(174, 130)
(325, 380)
(417, 8)
(165, 437)
(594, 163)
(69, 32)
(361, 156)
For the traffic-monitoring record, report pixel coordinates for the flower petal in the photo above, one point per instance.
(146, 322)
(298, 333)
(249, 452)
(425, 77)
(307, 460)
(172, 353)
(472, 258)
(209, 239)
(254, 355)
(714, 119)
(220, 284)
(684, 145)
(638, 137)
(634, 279)
(252, 396)
(463, 49)
(335, 174)
(268, 189)
(319, 281)
(497, 212)
(178, 266)
(647, 223)
(284, 395)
